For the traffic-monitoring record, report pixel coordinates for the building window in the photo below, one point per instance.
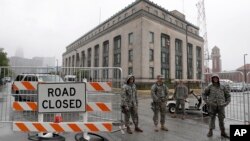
(130, 55)
(105, 54)
(96, 56)
(133, 10)
(148, 8)
(130, 71)
(117, 51)
(165, 47)
(163, 16)
(117, 59)
(198, 63)
(151, 55)
(117, 74)
(190, 61)
(156, 12)
(151, 73)
(178, 59)
(151, 37)
(163, 57)
(117, 42)
(105, 73)
(130, 38)
(89, 57)
(83, 58)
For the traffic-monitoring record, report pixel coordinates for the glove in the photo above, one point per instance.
(224, 104)
(127, 108)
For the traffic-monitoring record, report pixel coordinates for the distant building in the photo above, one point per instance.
(216, 61)
(143, 39)
(242, 69)
(34, 62)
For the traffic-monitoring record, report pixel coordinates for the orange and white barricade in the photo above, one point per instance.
(96, 102)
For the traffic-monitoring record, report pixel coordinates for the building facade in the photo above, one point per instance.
(143, 39)
(216, 61)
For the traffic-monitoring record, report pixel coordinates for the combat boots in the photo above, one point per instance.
(137, 129)
(156, 128)
(210, 133)
(224, 134)
(129, 130)
(164, 128)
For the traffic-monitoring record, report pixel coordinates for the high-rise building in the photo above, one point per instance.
(216, 61)
(143, 39)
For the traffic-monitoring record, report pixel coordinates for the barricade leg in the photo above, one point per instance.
(85, 117)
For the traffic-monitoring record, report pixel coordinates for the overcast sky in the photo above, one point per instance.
(45, 27)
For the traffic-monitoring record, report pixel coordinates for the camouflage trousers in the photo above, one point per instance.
(213, 111)
(159, 107)
(133, 113)
(180, 102)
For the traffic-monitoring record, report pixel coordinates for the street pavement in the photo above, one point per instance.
(193, 128)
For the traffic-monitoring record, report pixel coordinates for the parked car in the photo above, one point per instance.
(6, 79)
(238, 87)
(193, 102)
(70, 78)
(22, 94)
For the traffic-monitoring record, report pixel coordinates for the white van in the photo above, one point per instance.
(70, 78)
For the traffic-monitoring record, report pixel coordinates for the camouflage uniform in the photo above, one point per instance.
(130, 103)
(159, 94)
(180, 94)
(217, 98)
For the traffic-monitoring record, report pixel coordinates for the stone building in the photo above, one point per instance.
(216, 61)
(143, 39)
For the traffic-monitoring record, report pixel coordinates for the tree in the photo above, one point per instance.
(4, 61)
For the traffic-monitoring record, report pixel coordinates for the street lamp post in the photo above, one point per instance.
(245, 77)
(187, 54)
(57, 66)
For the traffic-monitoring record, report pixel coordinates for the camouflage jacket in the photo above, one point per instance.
(159, 92)
(181, 92)
(217, 95)
(129, 95)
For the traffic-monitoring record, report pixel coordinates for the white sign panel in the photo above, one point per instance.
(61, 97)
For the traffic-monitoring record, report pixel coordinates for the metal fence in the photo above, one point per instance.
(18, 93)
(239, 108)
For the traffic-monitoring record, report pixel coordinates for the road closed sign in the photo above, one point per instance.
(61, 97)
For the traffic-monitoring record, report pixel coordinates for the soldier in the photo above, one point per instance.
(217, 98)
(159, 92)
(180, 95)
(130, 103)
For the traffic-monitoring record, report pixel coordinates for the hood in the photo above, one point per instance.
(129, 76)
(215, 75)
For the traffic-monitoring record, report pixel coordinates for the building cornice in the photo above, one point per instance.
(140, 12)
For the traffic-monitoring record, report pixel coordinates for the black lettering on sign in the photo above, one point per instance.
(71, 103)
(50, 105)
(43, 104)
(57, 92)
(65, 92)
(65, 103)
(78, 103)
(239, 132)
(50, 92)
(72, 91)
(58, 104)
